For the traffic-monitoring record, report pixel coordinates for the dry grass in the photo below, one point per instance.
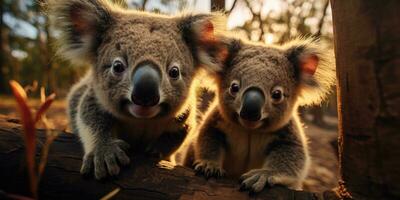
(56, 113)
(30, 117)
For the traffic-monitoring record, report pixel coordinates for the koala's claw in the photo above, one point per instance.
(104, 159)
(87, 164)
(255, 180)
(208, 169)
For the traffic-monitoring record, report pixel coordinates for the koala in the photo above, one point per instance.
(253, 132)
(135, 94)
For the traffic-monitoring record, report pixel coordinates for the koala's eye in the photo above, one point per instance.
(174, 72)
(234, 88)
(277, 95)
(118, 66)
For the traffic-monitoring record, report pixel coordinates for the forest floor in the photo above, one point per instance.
(324, 169)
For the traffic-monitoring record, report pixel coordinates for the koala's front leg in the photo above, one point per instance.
(102, 151)
(209, 151)
(285, 164)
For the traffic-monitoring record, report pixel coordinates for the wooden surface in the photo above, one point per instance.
(143, 179)
(367, 45)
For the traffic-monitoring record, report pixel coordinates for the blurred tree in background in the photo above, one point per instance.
(26, 46)
(276, 21)
(26, 38)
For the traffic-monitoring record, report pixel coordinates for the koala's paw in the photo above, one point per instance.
(208, 168)
(106, 159)
(255, 180)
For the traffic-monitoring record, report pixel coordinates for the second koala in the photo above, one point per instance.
(253, 131)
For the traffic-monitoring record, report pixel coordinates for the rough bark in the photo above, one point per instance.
(143, 179)
(367, 42)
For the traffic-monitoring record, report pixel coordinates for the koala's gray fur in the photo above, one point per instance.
(97, 32)
(274, 150)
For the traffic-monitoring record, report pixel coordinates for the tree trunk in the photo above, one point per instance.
(2, 63)
(367, 42)
(52, 83)
(48, 79)
(217, 5)
(143, 179)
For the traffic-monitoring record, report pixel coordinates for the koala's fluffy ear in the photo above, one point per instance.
(82, 24)
(315, 69)
(199, 33)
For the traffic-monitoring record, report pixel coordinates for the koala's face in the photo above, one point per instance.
(144, 69)
(260, 86)
(143, 64)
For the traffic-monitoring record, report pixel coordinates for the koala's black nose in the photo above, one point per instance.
(146, 85)
(252, 103)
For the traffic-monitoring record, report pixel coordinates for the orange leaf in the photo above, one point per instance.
(43, 108)
(29, 130)
(15, 86)
(42, 95)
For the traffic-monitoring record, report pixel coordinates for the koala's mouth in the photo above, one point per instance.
(247, 123)
(250, 124)
(144, 112)
(260, 124)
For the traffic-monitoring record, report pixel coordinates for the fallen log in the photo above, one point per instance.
(143, 179)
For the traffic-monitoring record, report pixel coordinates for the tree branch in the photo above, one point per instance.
(258, 17)
(322, 19)
(233, 6)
